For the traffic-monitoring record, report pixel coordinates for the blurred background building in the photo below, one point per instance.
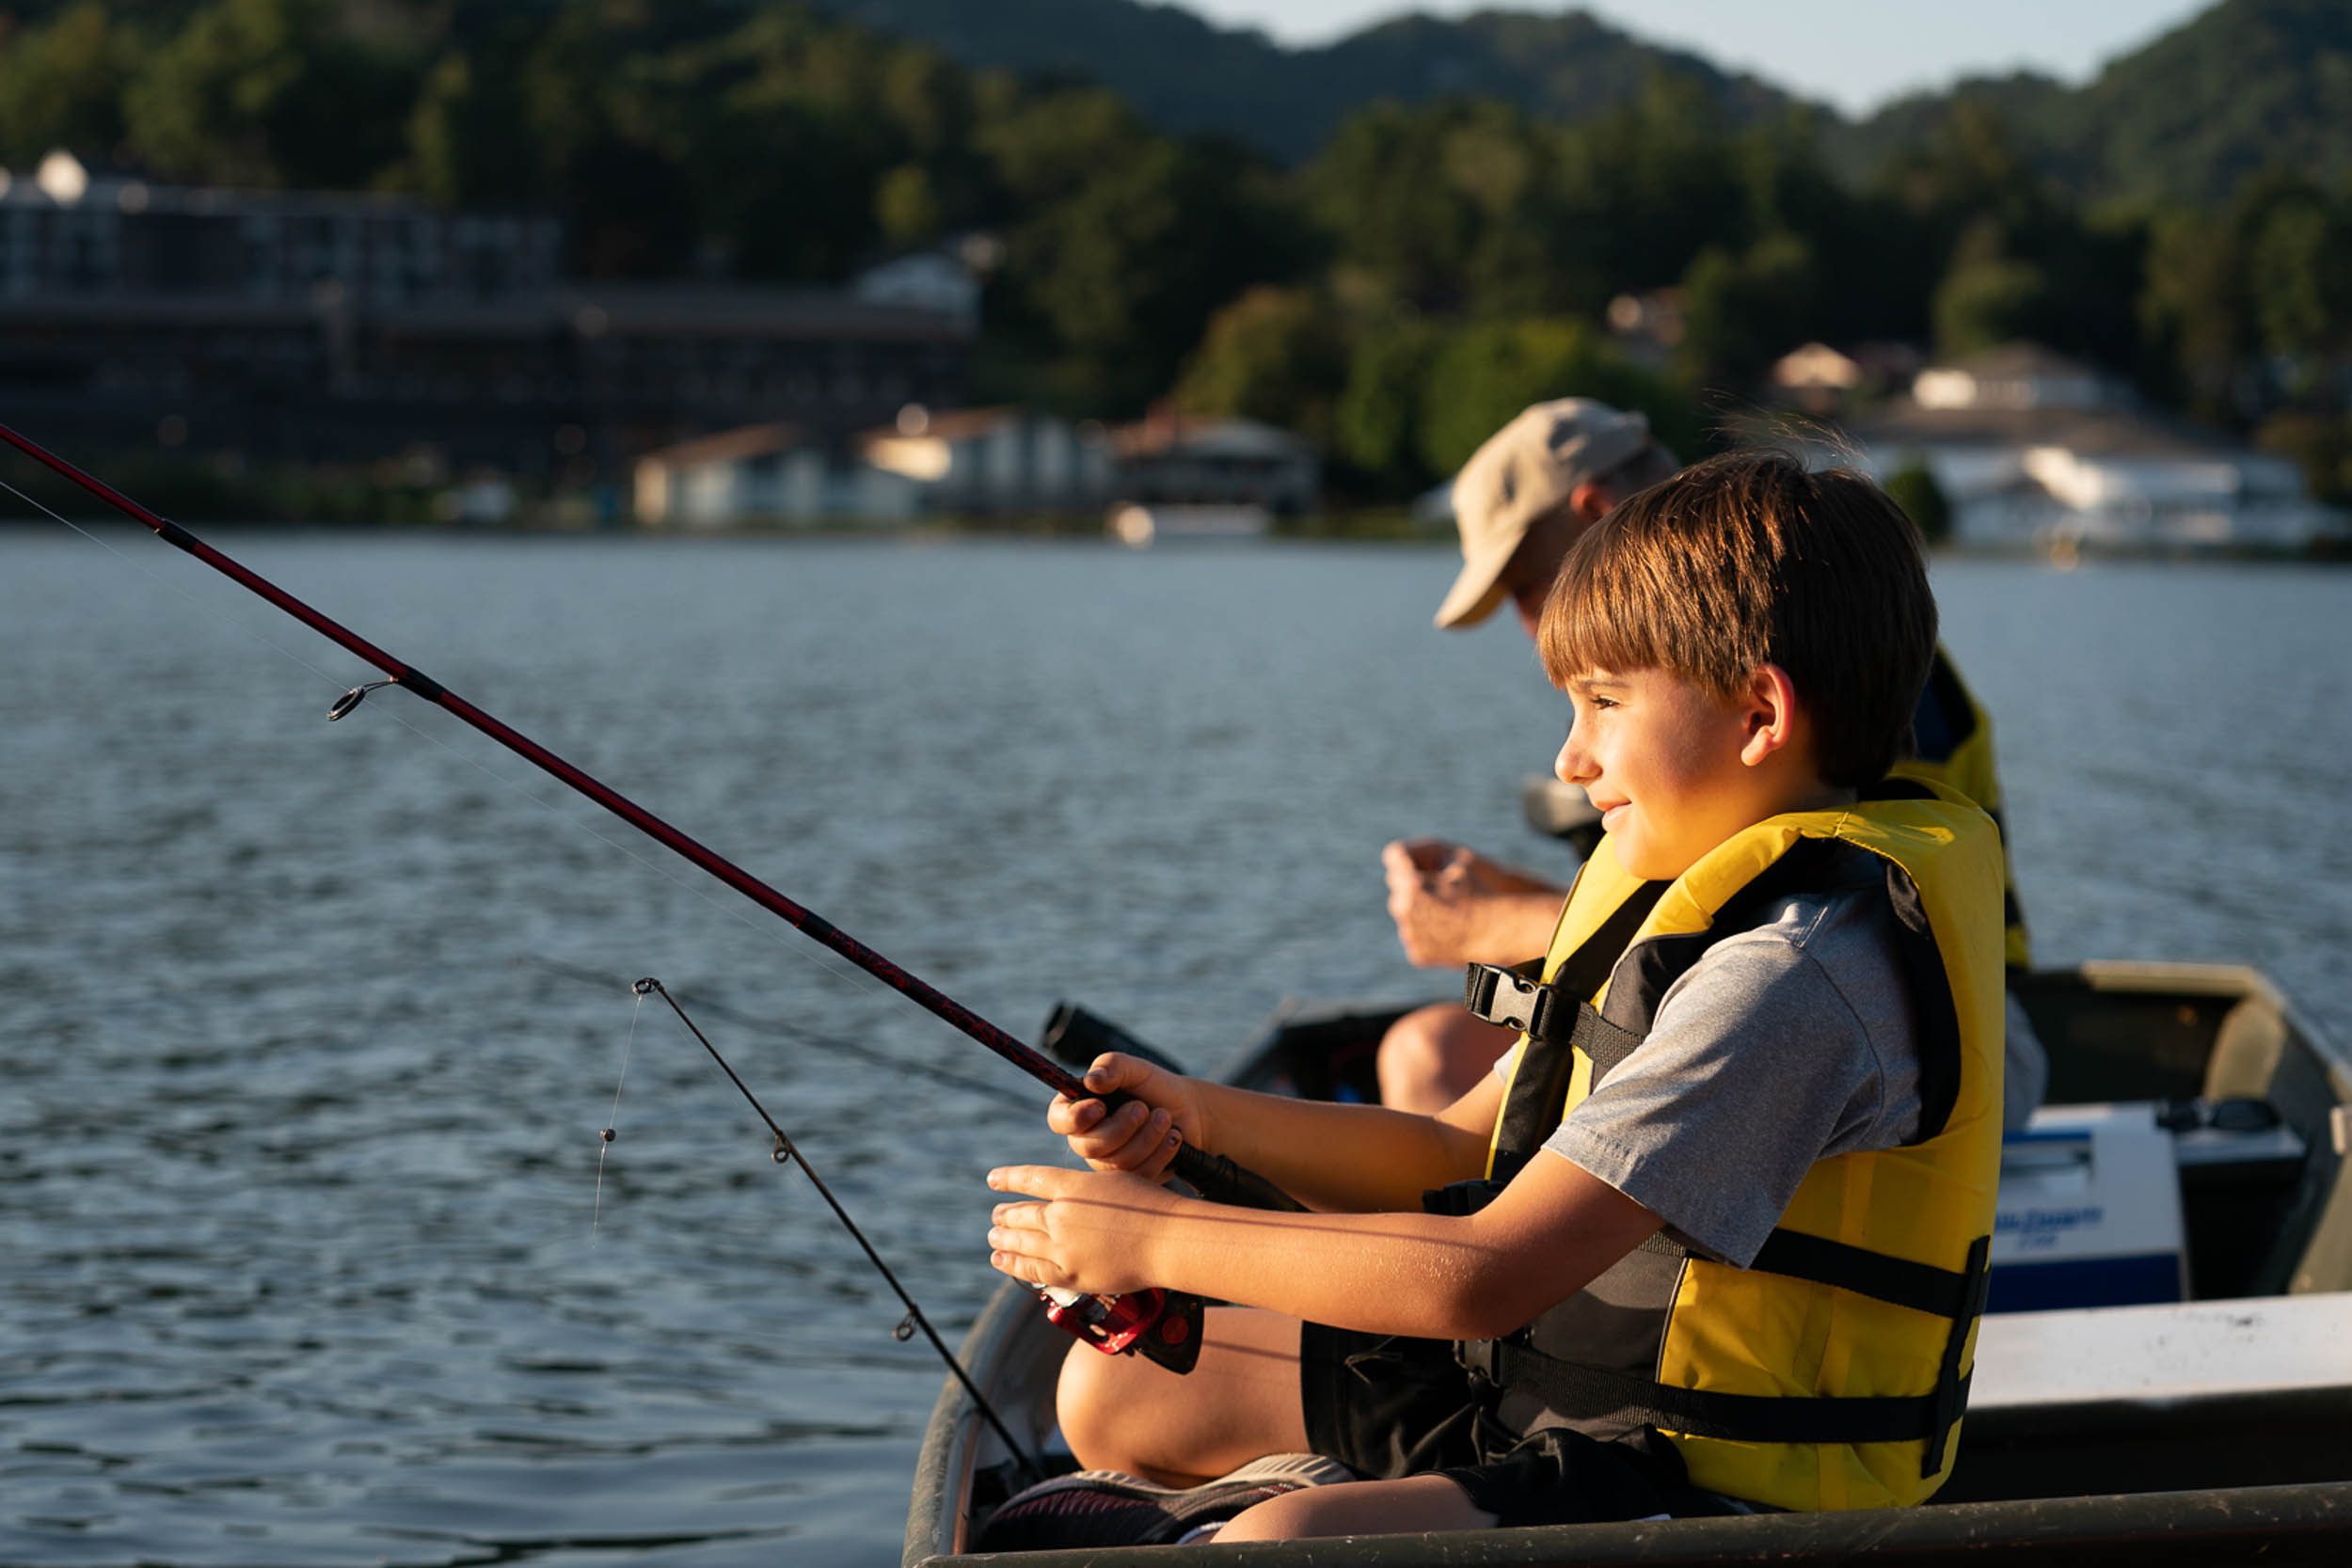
(321, 327)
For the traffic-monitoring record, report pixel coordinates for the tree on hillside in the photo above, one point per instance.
(61, 84)
(1742, 312)
(1376, 420)
(269, 92)
(1275, 355)
(1485, 373)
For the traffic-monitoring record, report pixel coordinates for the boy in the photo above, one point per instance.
(1715, 1246)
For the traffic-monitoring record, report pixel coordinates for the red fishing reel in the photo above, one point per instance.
(1160, 1326)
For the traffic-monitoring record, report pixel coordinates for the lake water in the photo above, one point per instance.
(310, 1249)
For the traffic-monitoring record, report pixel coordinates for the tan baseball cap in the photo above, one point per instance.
(1523, 471)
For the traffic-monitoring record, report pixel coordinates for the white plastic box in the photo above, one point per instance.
(2089, 1212)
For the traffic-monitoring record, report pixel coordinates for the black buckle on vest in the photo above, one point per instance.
(1509, 997)
(1477, 1357)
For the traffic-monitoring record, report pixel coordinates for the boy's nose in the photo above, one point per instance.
(1570, 767)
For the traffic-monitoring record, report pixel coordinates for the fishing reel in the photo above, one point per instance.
(1162, 1326)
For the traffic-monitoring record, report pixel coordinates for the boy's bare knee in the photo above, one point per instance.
(1088, 1403)
(1115, 1419)
(1410, 1506)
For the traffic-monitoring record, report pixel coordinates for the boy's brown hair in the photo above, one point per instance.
(1751, 558)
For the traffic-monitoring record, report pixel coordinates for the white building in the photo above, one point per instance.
(1170, 459)
(923, 280)
(981, 460)
(2031, 448)
(992, 460)
(761, 473)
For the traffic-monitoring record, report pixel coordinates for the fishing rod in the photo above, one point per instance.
(1171, 1335)
(784, 1152)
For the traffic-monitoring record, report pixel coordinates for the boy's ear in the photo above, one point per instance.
(1772, 715)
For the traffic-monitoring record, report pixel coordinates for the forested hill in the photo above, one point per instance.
(2184, 118)
(1186, 74)
(2246, 85)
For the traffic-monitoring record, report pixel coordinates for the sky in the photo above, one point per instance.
(1855, 54)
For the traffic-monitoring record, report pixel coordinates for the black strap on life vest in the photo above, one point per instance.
(1515, 998)
(1593, 1394)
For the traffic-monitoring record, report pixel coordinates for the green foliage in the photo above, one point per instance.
(1985, 304)
(2301, 283)
(2321, 444)
(267, 92)
(1914, 488)
(1487, 371)
(1377, 419)
(2264, 281)
(1189, 76)
(61, 84)
(1275, 355)
(1741, 313)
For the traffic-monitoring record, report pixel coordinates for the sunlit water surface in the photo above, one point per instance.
(310, 1250)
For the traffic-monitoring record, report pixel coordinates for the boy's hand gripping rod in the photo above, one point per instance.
(1164, 1328)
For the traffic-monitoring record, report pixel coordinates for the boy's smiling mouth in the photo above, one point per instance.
(1611, 810)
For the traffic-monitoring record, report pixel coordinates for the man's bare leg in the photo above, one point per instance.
(1434, 1056)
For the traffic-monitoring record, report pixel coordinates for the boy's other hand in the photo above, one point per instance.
(1454, 906)
(1140, 1138)
(1087, 1233)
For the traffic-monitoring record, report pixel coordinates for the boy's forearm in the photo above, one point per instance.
(1424, 1275)
(1547, 1236)
(1544, 1237)
(1351, 1159)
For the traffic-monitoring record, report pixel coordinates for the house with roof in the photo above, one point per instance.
(992, 460)
(759, 473)
(973, 461)
(319, 327)
(2033, 448)
(1168, 459)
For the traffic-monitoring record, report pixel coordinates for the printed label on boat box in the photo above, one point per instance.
(2089, 1212)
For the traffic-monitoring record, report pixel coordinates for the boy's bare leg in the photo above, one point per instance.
(1123, 1413)
(1410, 1506)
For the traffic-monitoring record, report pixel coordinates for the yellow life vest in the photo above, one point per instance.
(1830, 1372)
(1955, 749)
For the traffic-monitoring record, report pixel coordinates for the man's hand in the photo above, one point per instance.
(1083, 1230)
(1454, 906)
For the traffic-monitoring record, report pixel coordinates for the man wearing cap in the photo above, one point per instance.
(1520, 502)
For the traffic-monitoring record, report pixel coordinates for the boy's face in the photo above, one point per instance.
(1661, 760)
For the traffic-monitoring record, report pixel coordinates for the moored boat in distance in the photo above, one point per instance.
(2164, 1372)
(1139, 525)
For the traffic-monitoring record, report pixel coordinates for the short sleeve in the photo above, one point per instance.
(1782, 1046)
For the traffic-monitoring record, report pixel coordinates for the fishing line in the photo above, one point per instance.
(160, 581)
(785, 1153)
(613, 1119)
(1160, 1324)
(800, 1035)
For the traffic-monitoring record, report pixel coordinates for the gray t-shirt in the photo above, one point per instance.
(1782, 1046)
